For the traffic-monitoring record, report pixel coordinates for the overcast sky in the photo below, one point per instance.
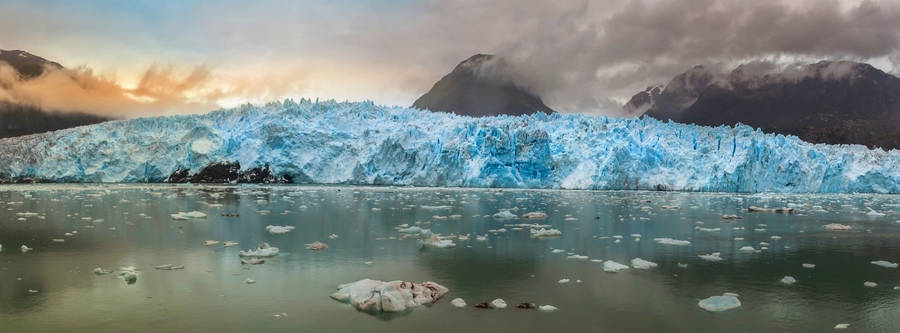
(158, 57)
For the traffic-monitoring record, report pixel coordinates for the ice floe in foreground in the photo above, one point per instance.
(719, 303)
(394, 296)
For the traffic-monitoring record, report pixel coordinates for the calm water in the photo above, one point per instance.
(126, 225)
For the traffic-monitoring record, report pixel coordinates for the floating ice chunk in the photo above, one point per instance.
(252, 261)
(498, 304)
(563, 281)
(316, 246)
(458, 303)
(547, 308)
(437, 242)
(870, 284)
(263, 250)
(101, 271)
(481, 238)
(130, 276)
(712, 257)
(610, 266)
(278, 229)
(505, 215)
(169, 267)
(788, 280)
(841, 326)
(836, 227)
(771, 210)
(874, 213)
(210, 242)
(597, 260)
(639, 263)
(707, 229)
(534, 215)
(188, 215)
(24, 248)
(230, 244)
(670, 241)
(719, 303)
(378, 296)
(809, 266)
(577, 257)
(747, 249)
(731, 217)
(411, 230)
(58, 240)
(680, 265)
(545, 233)
(333, 236)
(249, 281)
(884, 263)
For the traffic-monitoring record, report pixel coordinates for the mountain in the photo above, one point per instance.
(22, 119)
(367, 144)
(481, 86)
(835, 102)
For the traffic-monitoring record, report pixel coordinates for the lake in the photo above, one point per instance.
(54, 287)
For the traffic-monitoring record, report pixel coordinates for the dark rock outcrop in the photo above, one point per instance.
(227, 172)
(481, 86)
(828, 102)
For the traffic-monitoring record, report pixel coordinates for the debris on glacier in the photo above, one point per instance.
(719, 303)
(375, 296)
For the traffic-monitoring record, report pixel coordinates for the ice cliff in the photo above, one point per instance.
(363, 143)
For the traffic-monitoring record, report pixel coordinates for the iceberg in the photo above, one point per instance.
(719, 303)
(395, 296)
(264, 250)
(364, 143)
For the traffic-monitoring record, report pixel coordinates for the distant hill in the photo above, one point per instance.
(836, 102)
(479, 86)
(21, 119)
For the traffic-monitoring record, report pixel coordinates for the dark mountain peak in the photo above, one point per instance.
(482, 85)
(27, 64)
(825, 102)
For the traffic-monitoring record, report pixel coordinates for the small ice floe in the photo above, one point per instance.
(719, 303)
(498, 304)
(249, 281)
(841, 326)
(670, 241)
(252, 261)
(497, 231)
(58, 240)
(610, 266)
(639, 263)
(884, 263)
(181, 216)
(129, 274)
(670, 207)
(597, 260)
(264, 250)
(375, 296)
(25, 248)
(837, 227)
(563, 281)
(731, 217)
(458, 303)
(545, 233)
(557, 251)
(810, 266)
(680, 265)
(788, 280)
(436, 241)
(333, 236)
(279, 229)
(747, 249)
(771, 210)
(505, 215)
(870, 284)
(279, 315)
(547, 308)
(210, 242)
(577, 257)
(463, 238)
(411, 230)
(230, 244)
(707, 229)
(316, 246)
(712, 257)
(481, 238)
(874, 213)
(534, 215)
(101, 271)
(168, 267)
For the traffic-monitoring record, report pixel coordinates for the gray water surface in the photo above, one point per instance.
(130, 225)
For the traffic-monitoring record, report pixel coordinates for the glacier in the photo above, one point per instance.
(363, 143)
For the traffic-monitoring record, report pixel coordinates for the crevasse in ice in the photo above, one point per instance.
(363, 143)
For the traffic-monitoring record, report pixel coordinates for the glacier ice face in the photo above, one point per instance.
(363, 143)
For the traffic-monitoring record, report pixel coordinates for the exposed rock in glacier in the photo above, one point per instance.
(395, 296)
(362, 143)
